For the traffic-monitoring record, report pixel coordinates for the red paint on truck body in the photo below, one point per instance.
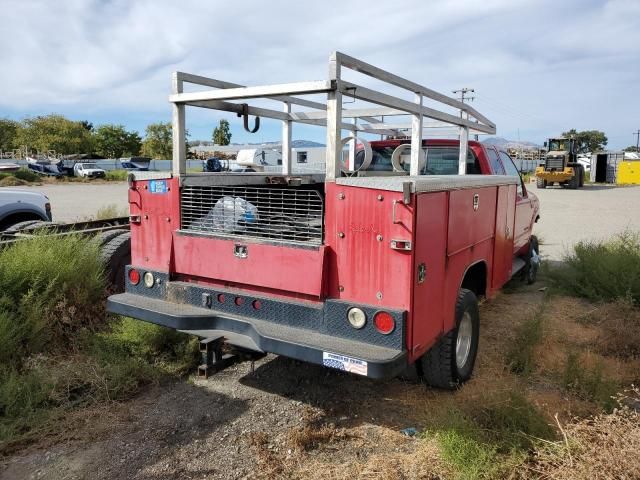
(449, 233)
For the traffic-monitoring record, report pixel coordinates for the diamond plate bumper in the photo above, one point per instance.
(262, 335)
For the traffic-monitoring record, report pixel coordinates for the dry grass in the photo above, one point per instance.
(618, 327)
(364, 452)
(12, 181)
(603, 447)
(502, 424)
(111, 211)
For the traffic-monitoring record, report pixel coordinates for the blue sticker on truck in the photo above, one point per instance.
(158, 186)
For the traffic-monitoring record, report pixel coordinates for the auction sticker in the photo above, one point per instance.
(348, 364)
(158, 186)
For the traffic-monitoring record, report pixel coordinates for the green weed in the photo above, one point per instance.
(117, 175)
(481, 441)
(602, 270)
(521, 356)
(589, 382)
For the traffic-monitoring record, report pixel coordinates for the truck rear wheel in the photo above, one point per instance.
(450, 361)
(116, 255)
(540, 183)
(17, 227)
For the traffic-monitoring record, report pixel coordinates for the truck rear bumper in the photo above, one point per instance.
(373, 361)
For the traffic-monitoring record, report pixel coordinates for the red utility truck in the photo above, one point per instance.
(374, 267)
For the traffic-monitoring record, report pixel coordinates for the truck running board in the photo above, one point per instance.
(518, 265)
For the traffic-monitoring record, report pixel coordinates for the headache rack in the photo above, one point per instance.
(292, 212)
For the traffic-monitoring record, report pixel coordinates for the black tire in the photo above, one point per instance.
(412, 374)
(533, 261)
(116, 255)
(105, 237)
(17, 227)
(574, 182)
(582, 173)
(439, 366)
(540, 183)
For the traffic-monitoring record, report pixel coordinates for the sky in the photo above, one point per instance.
(538, 67)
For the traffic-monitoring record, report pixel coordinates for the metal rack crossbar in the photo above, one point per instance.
(332, 114)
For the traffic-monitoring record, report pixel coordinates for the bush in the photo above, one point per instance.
(57, 350)
(116, 175)
(602, 271)
(27, 175)
(111, 211)
(51, 287)
(168, 349)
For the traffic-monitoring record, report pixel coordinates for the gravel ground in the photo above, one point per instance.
(79, 201)
(592, 212)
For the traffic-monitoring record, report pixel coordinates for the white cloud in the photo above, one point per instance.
(113, 59)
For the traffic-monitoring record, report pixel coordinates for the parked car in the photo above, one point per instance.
(88, 170)
(22, 205)
(138, 164)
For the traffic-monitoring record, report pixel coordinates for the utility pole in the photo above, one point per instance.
(637, 134)
(463, 92)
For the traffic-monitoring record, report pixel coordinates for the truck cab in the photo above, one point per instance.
(374, 267)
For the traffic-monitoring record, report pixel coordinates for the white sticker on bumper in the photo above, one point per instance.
(348, 364)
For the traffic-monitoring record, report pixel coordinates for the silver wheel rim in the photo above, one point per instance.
(463, 340)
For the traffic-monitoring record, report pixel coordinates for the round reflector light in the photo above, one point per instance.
(148, 279)
(239, 301)
(384, 322)
(134, 276)
(356, 317)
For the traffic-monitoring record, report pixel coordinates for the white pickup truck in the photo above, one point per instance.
(88, 170)
(22, 205)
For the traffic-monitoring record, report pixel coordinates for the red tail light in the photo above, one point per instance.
(134, 276)
(384, 322)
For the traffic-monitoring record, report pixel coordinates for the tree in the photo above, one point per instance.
(631, 148)
(113, 141)
(157, 142)
(588, 140)
(222, 133)
(8, 131)
(54, 132)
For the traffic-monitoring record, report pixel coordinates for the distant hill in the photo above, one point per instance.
(306, 143)
(294, 143)
(504, 143)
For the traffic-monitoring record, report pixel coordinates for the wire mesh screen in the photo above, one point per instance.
(276, 214)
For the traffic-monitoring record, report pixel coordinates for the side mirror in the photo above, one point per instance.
(545, 144)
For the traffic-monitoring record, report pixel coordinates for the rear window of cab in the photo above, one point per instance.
(441, 160)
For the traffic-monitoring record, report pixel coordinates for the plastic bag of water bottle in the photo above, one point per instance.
(232, 214)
